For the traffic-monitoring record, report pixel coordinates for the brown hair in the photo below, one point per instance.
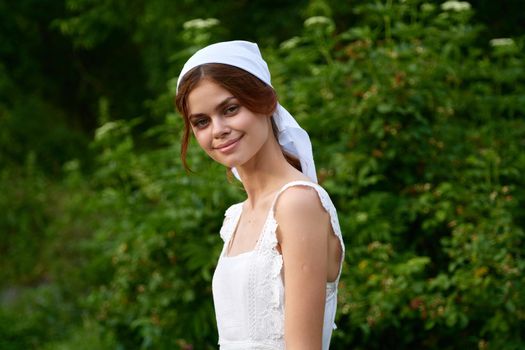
(251, 92)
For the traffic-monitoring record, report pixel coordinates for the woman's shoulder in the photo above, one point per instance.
(305, 201)
(302, 195)
(304, 206)
(300, 213)
(299, 193)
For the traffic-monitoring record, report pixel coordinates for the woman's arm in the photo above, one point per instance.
(303, 237)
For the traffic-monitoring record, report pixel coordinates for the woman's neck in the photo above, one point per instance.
(266, 173)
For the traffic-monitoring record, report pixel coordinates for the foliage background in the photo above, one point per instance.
(416, 110)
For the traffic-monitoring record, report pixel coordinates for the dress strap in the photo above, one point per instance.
(327, 205)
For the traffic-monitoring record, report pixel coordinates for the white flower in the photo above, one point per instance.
(316, 20)
(105, 129)
(290, 43)
(200, 23)
(501, 42)
(457, 6)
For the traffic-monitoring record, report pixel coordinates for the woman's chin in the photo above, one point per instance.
(229, 163)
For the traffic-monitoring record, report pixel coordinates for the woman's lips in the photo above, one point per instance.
(228, 146)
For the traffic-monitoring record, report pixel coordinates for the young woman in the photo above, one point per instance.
(275, 284)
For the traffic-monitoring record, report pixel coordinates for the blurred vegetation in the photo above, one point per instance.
(416, 111)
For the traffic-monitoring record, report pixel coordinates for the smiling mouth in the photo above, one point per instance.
(228, 145)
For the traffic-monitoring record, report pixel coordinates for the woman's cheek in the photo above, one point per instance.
(202, 139)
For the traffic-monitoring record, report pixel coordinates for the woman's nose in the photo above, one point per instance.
(220, 127)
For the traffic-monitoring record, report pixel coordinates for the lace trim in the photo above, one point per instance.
(267, 288)
(268, 320)
(231, 216)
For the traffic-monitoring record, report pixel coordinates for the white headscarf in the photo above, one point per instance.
(246, 55)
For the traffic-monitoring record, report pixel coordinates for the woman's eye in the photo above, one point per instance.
(200, 123)
(231, 109)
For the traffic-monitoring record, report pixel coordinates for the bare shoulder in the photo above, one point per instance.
(299, 202)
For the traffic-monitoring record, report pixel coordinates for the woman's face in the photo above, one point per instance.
(227, 131)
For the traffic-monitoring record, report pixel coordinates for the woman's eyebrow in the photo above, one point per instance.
(218, 107)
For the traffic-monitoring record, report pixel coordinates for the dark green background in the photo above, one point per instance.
(417, 122)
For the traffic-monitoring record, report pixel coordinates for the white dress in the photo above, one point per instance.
(248, 289)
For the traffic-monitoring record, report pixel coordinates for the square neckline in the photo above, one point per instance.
(263, 229)
(235, 226)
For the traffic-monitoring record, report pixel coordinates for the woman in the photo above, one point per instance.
(275, 284)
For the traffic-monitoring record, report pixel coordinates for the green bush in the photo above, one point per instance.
(25, 216)
(417, 132)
